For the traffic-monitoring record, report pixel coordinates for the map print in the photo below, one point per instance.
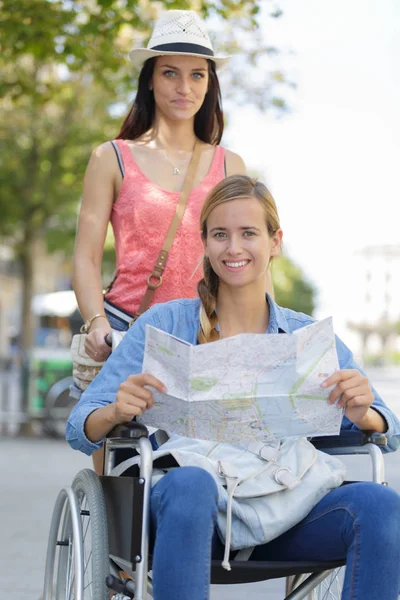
(246, 387)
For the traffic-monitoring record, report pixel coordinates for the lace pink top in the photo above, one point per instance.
(140, 219)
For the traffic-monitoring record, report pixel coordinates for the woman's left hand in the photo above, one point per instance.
(354, 391)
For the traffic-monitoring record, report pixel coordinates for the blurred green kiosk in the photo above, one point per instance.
(57, 320)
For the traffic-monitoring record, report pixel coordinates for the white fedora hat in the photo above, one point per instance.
(178, 32)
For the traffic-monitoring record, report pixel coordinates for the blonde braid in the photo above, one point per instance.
(207, 290)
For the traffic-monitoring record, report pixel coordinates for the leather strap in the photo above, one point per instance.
(155, 279)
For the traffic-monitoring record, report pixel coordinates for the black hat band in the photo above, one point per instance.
(183, 47)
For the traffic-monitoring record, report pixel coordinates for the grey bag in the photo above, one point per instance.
(263, 489)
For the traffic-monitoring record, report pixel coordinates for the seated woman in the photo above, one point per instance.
(360, 522)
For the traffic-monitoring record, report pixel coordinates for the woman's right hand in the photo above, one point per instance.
(133, 398)
(95, 344)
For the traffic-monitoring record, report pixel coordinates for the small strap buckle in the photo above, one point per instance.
(154, 286)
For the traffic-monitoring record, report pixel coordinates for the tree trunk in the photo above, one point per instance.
(27, 326)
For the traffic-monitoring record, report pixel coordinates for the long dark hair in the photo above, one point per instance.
(208, 122)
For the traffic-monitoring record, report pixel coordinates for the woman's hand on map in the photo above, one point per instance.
(352, 392)
(133, 398)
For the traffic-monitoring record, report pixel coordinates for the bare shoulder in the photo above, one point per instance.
(234, 163)
(103, 157)
(102, 177)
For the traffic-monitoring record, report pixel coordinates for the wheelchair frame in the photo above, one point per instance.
(127, 503)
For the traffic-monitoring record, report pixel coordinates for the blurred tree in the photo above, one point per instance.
(292, 289)
(64, 80)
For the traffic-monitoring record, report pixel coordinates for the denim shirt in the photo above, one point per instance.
(181, 318)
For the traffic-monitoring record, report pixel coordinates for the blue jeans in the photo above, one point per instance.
(359, 522)
(115, 322)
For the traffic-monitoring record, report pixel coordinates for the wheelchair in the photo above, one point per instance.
(98, 545)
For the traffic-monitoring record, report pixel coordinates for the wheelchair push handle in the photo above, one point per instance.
(131, 430)
(113, 338)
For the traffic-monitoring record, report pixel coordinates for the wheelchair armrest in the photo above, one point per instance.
(348, 439)
(131, 430)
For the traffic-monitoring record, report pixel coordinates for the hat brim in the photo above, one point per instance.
(139, 55)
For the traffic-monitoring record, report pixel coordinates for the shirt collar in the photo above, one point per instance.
(277, 320)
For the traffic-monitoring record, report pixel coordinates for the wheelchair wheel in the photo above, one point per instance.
(90, 543)
(330, 588)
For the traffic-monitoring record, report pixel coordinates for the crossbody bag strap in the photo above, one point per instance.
(155, 279)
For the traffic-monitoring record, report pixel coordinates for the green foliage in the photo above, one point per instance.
(45, 148)
(292, 290)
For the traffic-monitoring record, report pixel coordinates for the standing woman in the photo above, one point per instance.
(135, 181)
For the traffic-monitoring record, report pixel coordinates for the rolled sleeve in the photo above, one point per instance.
(75, 434)
(126, 360)
(393, 431)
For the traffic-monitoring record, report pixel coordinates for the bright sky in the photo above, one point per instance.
(333, 163)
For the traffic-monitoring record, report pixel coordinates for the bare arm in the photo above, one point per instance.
(373, 421)
(98, 194)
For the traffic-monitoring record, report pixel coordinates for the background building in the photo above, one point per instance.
(374, 305)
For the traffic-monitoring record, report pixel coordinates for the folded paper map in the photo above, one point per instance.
(246, 387)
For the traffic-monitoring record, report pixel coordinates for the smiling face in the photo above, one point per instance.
(238, 243)
(179, 84)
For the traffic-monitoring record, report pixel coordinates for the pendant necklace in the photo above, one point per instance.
(176, 170)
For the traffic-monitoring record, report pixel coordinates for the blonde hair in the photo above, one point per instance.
(235, 187)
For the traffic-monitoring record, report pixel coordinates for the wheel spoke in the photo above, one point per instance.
(70, 587)
(87, 573)
(330, 588)
(88, 562)
(86, 528)
(70, 569)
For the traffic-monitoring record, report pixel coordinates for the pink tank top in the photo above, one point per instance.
(140, 219)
